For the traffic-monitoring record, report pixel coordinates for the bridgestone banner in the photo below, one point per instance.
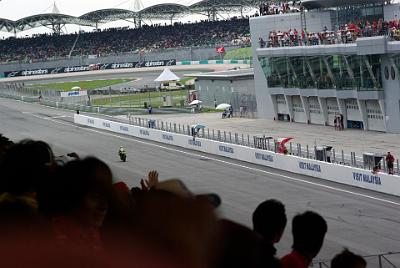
(92, 67)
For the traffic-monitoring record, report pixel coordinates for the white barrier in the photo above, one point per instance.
(380, 182)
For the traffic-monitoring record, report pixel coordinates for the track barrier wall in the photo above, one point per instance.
(380, 182)
(113, 66)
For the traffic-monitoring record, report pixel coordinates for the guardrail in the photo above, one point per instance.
(267, 144)
(169, 133)
(307, 152)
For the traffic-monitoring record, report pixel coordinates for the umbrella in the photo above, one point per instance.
(223, 106)
(199, 126)
(282, 141)
(76, 88)
(195, 102)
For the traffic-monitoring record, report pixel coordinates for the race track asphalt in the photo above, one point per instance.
(364, 221)
(142, 78)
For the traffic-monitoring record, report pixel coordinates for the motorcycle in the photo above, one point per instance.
(122, 156)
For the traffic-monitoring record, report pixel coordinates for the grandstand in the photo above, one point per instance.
(143, 38)
(55, 20)
(125, 40)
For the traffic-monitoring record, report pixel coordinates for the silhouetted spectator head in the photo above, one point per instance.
(24, 166)
(5, 144)
(347, 259)
(184, 227)
(308, 231)
(81, 189)
(237, 245)
(269, 220)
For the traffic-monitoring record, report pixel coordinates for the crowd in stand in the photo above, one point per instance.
(347, 33)
(280, 7)
(70, 212)
(123, 40)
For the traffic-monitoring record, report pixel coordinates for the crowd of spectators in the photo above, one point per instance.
(347, 33)
(124, 40)
(279, 7)
(71, 212)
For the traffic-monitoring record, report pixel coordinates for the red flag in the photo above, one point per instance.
(220, 49)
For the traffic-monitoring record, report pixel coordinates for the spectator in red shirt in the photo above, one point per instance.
(308, 231)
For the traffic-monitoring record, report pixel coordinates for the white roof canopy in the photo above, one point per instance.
(167, 75)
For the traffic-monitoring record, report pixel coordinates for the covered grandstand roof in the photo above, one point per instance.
(49, 19)
(164, 11)
(222, 5)
(107, 15)
(93, 18)
(6, 25)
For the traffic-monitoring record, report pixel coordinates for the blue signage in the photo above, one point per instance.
(168, 137)
(144, 132)
(123, 128)
(264, 157)
(73, 93)
(367, 178)
(194, 143)
(310, 166)
(90, 121)
(226, 149)
(107, 125)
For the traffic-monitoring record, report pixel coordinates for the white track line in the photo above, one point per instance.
(226, 162)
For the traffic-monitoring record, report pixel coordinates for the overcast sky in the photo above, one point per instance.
(16, 9)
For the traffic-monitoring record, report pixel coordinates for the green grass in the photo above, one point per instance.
(85, 85)
(138, 99)
(184, 80)
(240, 53)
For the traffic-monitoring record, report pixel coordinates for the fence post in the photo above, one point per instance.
(224, 135)
(300, 150)
(397, 166)
(219, 134)
(213, 134)
(290, 146)
(248, 140)
(175, 127)
(202, 133)
(384, 165)
(380, 261)
(308, 152)
(208, 133)
(344, 163)
(397, 160)
(230, 137)
(268, 145)
(334, 155)
(236, 138)
(315, 152)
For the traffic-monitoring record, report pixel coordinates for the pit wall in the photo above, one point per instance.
(380, 182)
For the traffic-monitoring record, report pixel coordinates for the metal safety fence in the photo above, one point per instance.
(368, 161)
